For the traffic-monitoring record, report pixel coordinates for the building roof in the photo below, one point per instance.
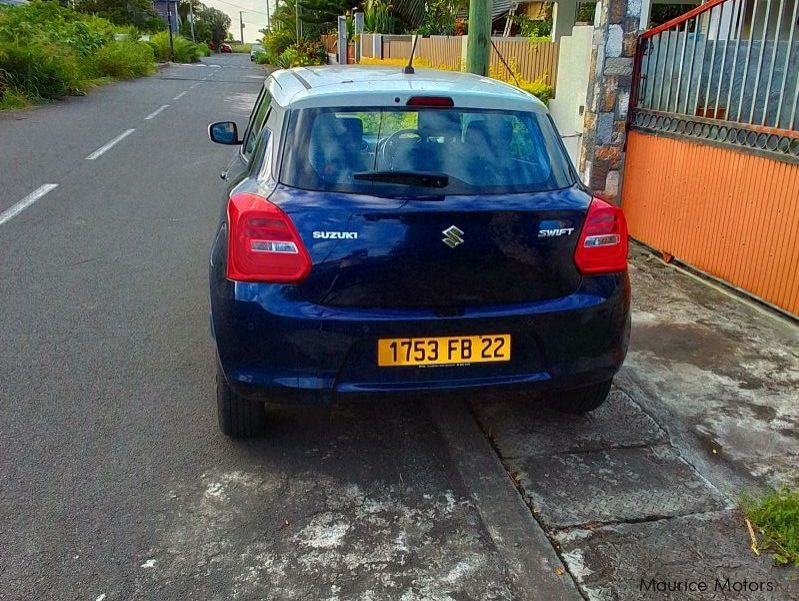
(362, 85)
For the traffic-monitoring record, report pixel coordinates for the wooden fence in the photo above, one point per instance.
(330, 43)
(533, 59)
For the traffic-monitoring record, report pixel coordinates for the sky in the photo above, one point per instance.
(254, 15)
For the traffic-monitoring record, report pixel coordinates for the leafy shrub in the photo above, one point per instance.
(262, 58)
(124, 59)
(48, 51)
(185, 51)
(41, 72)
(378, 17)
(303, 54)
(49, 23)
(277, 41)
(203, 49)
(13, 99)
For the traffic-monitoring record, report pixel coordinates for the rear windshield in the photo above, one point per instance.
(479, 151)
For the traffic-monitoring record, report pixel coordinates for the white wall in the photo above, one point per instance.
(571, 88)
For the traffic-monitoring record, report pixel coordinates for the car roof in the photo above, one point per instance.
(370, 85)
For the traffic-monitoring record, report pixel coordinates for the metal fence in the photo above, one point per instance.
(727, 60)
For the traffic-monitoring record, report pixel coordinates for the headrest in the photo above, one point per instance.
(434, 123)
(496, 133)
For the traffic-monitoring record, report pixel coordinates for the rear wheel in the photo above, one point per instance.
(585, 399)
(238, 417)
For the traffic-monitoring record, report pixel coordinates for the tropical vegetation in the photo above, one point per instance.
(48, 51)
(211, 25)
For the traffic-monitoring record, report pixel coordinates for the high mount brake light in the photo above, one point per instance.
(603, 245)
(263, 244)
(430, 101)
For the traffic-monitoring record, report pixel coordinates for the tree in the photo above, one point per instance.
(138, 13)
(317, 16)
(210, 24)
(218, 23)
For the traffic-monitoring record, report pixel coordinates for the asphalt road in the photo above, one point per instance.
(116, 483)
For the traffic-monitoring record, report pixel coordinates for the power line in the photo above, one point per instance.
(249, 10)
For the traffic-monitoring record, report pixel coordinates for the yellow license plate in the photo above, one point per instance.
(445, 350)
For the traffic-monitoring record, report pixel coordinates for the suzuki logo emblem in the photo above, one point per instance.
(453, 236)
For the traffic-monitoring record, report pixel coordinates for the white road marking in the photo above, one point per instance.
(23, 204)
(194, 85)
(181, 95)
(156, 111)
(148, 564)
(103, 149)
(100, 598)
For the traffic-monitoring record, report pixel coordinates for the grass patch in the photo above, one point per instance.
(775, 518)
(124, 59)
(14, 99)
(185, 50)
(243, 48)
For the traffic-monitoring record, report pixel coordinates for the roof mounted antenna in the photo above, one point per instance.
(408, 70)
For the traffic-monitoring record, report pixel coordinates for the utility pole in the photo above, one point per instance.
(191, 20)
(479, 42)
(268, 17)
(298, 23)
(169, 21)
(241, 24)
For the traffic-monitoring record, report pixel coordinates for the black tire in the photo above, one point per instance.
(583, 400)
(238, 417)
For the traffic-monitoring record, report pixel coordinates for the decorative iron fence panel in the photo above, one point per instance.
(725, 72)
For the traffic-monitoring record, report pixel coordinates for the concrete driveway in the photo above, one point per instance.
(639, 498)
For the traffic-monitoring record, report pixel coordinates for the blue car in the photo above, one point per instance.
(389, 232)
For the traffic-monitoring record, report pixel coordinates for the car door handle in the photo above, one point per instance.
(223, 175)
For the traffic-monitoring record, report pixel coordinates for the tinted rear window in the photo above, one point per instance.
(481, 152)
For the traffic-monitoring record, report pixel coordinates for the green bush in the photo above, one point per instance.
(124, 59)
(13, 99)
(49, 23)
(41, 72)
(241, 48)
(304, 54)
(277, 41)
(262, 58)
(185, 51)
(48, 51)
(203, 49)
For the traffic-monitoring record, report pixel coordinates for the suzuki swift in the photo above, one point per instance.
(388, 232)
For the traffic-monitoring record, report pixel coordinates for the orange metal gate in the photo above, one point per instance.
(712, 170)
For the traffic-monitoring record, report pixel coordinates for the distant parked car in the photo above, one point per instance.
(226, 49)
(256, 48)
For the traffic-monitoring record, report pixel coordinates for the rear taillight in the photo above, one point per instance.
(602, 247)
(263, 244)
(431, 101)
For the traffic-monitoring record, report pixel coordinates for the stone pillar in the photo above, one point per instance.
(610, 79)
(564, 15)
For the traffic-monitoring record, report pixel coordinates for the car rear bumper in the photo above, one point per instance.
(276, 348)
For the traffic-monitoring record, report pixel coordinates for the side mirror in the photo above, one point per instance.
(224, 132)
